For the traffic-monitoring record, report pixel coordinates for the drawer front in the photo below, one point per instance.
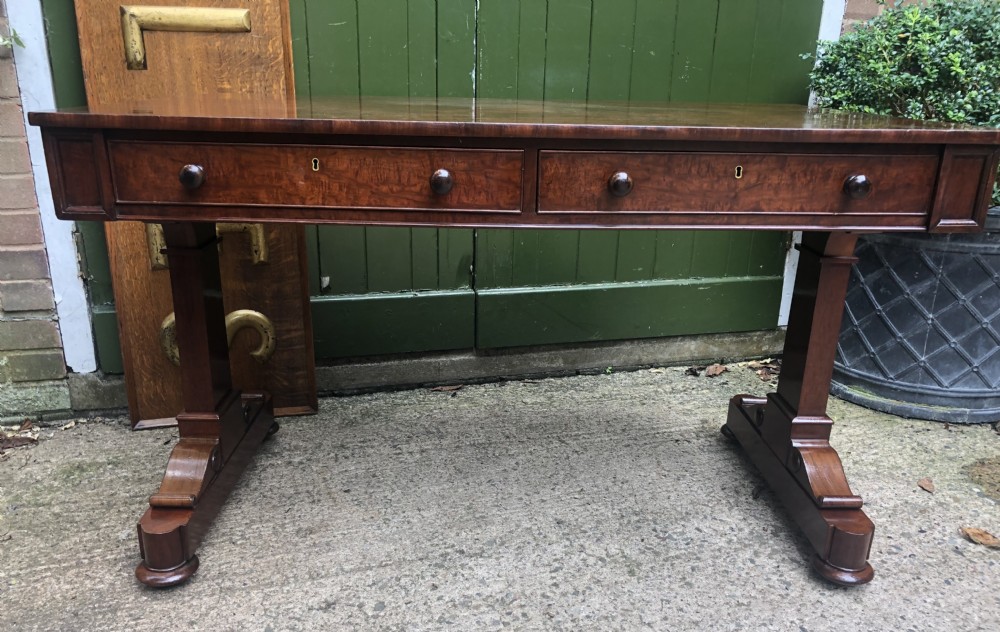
(318, 176)
(692, 183)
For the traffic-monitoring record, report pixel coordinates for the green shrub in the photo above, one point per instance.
(938, 62)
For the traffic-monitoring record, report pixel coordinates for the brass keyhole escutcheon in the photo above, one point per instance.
(315, 164)
(739, 172)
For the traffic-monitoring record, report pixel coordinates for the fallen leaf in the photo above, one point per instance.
(926, 484)
(447, 389)
(69, 425)
(766, 370)
(25, 425)
(981, 536)
(694, 370)
(15, 442)
(658, 370)
(715, 370)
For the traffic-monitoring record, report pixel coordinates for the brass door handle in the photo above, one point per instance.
(235, 321)
(136, 19)
(259, 253)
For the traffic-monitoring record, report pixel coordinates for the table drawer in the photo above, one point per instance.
(318, 176)
(651, 182)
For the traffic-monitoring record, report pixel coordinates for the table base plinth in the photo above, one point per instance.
(840, 535)
(195, 487)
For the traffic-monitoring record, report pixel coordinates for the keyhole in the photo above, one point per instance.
(315, 164)
(739, 171)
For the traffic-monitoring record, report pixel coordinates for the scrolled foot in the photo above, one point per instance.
(275, 427)
(156, 578)
(841, 576)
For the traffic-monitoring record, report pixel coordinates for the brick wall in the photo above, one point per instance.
(32, 369)
(859, 11)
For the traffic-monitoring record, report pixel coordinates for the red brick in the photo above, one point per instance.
(20, 229)
(29, 334)
(19, 263)
(861, 9)
(26, 296)
(17, 192)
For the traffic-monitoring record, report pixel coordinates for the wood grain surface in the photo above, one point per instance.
(709, 182)
(184, 65)
(317, 176)
(478, 118)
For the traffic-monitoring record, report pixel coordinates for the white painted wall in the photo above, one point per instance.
(832, 19)
(34, 76)
(829, 29)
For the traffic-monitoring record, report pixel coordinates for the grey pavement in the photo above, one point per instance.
(601, 502)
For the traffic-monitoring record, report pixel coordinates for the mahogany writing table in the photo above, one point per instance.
(476, 163)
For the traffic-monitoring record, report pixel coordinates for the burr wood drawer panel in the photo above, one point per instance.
(651, 182)
(316, 176)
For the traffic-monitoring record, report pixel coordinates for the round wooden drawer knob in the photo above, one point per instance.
(442, 182)
(191, 176)
(620, 184)
(858, 187)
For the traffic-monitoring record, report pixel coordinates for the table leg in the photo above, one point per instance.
(787, 433)
(220, 429)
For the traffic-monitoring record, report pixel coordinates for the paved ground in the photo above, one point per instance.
(600, 502)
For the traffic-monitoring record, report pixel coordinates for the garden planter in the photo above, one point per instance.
(921, 329)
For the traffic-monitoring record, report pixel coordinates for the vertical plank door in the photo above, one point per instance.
(542, 287)
(404, 290)
(389, 290)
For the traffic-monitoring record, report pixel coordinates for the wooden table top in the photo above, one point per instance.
(516, 119)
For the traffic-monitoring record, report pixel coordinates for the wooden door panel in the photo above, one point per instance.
(250, 55)
(389, 290)
(569, 50)
(636, 50)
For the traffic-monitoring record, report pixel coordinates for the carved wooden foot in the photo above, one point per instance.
(201, 472)
(807, 476)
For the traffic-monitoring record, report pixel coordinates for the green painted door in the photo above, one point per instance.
(392, 290)
(382, 292)
(388, 290)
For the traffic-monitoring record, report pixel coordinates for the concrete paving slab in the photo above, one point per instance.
(602, 502)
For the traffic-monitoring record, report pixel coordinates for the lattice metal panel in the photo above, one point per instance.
(921, 327)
